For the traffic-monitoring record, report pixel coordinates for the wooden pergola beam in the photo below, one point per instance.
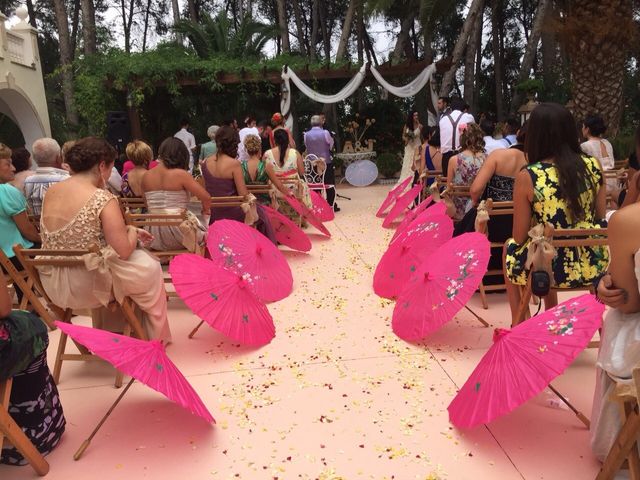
(305, 73)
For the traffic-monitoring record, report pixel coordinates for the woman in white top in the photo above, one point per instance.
(593, 128)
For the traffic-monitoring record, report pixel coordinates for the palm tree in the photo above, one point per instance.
(218, 36)
(596, 35)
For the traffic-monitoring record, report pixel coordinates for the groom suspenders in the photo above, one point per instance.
(453, 133)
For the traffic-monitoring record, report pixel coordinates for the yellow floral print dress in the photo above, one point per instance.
(573, 267)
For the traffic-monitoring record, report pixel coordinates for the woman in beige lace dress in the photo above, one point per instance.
(77, 214)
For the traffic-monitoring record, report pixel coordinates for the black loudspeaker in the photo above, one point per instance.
(118, 130)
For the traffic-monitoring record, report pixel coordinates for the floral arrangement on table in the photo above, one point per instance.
(357, 132)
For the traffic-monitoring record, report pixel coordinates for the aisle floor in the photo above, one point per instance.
(335, 395)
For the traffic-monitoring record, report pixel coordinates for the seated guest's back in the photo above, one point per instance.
(430, 154)
(258, 172)
(47, 154)
(168, 189)
(79, 213)
(21, 160)
(497, 175)
(15, 226)
(632, 194)
(619, 354)
(140, 155)
(224, 178)
(563, 187)
(34, 403)
(464, 166)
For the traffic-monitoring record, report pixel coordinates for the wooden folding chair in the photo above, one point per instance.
(132, 204)
(10, 430)
(146, 220)
(496, 210)
(30, 296)
(625, 446)
(33, 258)
(561, 238)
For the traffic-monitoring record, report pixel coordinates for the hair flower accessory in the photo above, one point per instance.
(462, 127)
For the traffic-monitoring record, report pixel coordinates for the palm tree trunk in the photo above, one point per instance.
(461, 43)
(598, 65)
(66, 62)
(475, 40)
(89, 26)
(498, 72)
(284, 28)
(532, 49)
(346, 30)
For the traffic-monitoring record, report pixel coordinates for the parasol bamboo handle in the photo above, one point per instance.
(86, 443)
(478, 317)
(193, 332)
(578, 413)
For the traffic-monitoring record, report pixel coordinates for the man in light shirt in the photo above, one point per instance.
(490, 144)
(319, 142)
(188, 139)
(46, 153)
(449, 132)
(511, 127)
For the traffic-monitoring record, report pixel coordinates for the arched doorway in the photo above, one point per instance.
(15, 105)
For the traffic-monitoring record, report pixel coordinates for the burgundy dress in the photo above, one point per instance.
(226, 187)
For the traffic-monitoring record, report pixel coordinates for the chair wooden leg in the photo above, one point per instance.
(483, 296)
(623, 443)
(132, 319)
(16, 436)
(523, 310)
(5, 394)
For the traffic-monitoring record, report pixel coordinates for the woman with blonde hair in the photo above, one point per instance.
(464, 166)
(258, 172)
(141, 155)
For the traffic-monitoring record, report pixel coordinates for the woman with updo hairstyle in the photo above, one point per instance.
(287, 164)
(258, 172)
(79, 213)
(464, 166)
(596, 146)
(168, 189)
(140, 156)
(223, 177)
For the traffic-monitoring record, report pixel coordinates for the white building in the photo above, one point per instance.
(22, 96)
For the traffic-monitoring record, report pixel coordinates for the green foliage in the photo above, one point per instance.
(388, 164)
(217, 36)
(623, 144)
(530, 85)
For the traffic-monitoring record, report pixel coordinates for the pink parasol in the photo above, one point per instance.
(408, 252)
(321, 208)
(522, 361)
(425, 209)
(287, 232)
(144, 360)
(401, 205)
(441, 286)
(307, 214)
(244, 250)
(394, 193)
(222, 298)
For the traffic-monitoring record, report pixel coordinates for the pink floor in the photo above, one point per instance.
(335, 396)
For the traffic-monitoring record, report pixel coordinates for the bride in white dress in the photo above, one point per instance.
(411, 137)
(620, 344)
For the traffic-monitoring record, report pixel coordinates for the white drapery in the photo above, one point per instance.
(408, 90)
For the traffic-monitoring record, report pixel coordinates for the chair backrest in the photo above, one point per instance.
(580, 237)
(259, 189)
(133, 203)
(314, 169)
(231, 201)
(142, 220)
